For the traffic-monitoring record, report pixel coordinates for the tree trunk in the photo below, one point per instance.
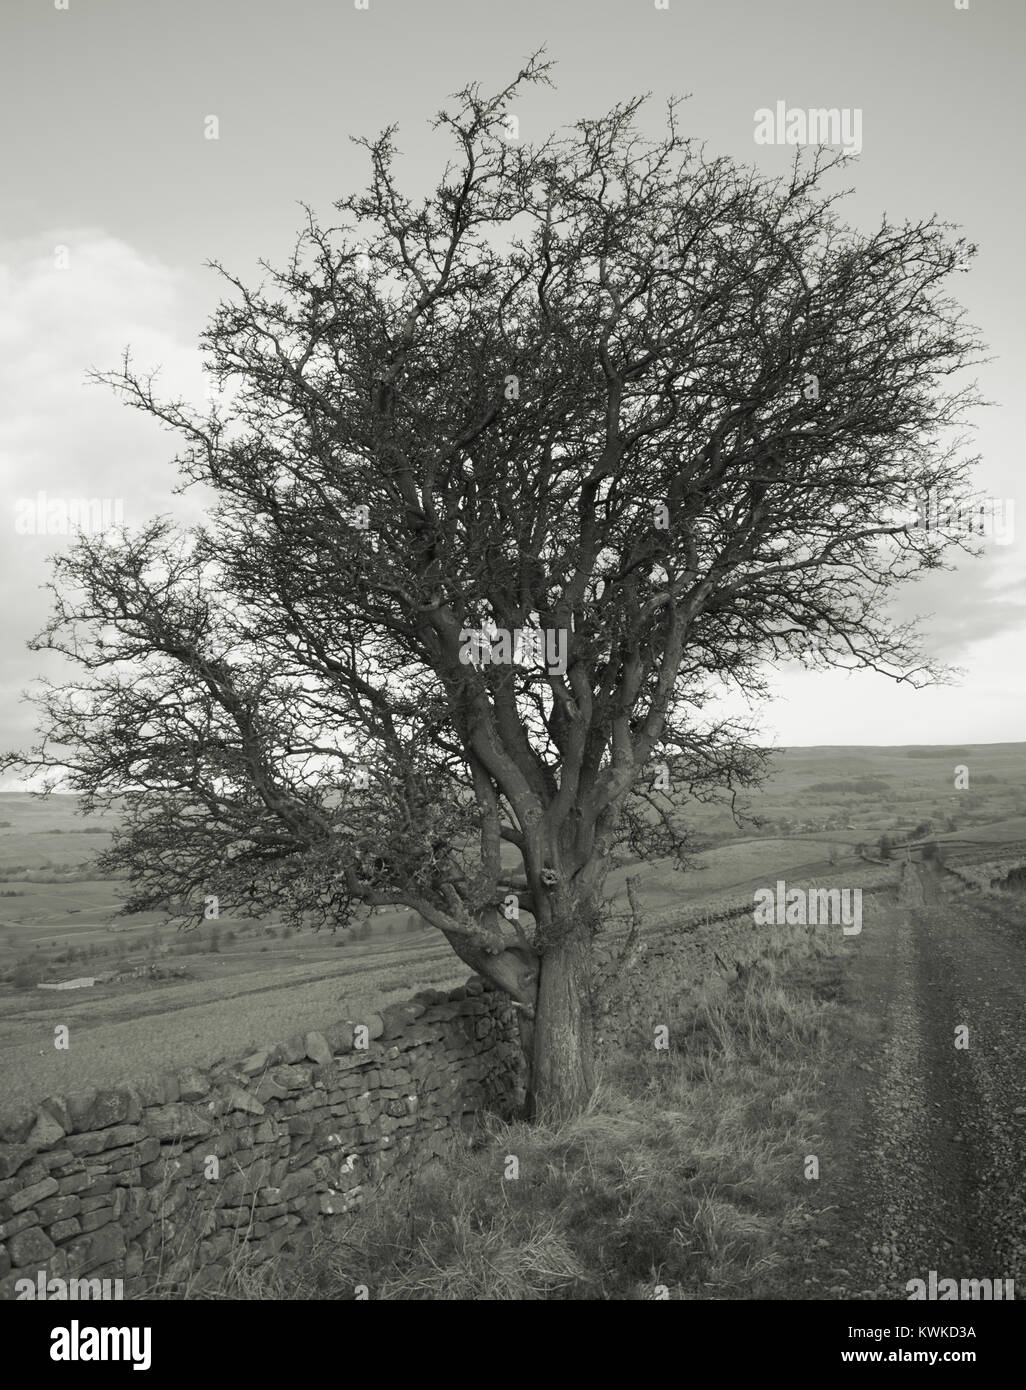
(513, 969)
(562, 1077)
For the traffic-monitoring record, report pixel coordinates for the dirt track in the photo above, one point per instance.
(925, 1164)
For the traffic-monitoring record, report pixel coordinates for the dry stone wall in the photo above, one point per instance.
(176, 1174)
(681, 950)
(172, 1176)
(632, 998)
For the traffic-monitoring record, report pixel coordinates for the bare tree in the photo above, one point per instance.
(647, 403)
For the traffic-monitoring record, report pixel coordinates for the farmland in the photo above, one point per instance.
(160, 995)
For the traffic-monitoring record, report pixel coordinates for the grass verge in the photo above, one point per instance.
(684, 1179)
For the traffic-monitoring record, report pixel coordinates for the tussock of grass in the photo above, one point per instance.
(684, 1172)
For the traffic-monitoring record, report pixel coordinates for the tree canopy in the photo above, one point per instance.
(605, 388)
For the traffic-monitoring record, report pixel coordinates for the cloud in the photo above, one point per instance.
(67, 437)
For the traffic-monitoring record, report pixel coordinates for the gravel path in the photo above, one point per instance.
(927, 1165)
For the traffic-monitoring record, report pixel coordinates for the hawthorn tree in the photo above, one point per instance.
(649, 404)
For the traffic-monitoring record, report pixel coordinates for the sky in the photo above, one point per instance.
(114, 198)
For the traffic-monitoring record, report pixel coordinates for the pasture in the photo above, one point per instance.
(163, 996)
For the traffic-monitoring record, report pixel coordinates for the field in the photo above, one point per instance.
(236, 983)
(823, 787)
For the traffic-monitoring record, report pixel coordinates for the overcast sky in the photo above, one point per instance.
(104, 107)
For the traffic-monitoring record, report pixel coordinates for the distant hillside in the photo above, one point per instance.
(858, 791)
